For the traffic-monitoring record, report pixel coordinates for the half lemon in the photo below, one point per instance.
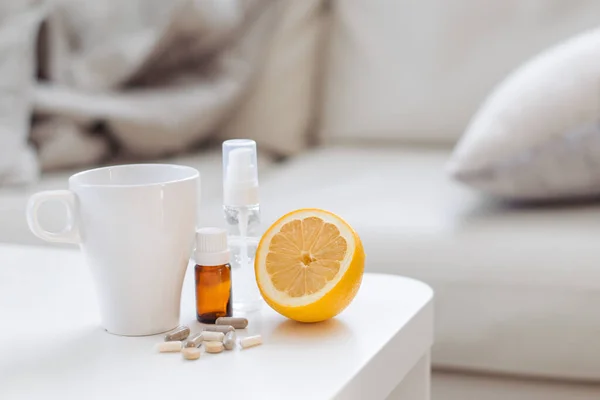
(309, 265)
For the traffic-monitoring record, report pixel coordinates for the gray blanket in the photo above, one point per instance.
(84, 81)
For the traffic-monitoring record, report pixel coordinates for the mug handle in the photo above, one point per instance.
(70, 233)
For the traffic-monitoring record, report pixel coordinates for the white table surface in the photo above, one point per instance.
(52, 346)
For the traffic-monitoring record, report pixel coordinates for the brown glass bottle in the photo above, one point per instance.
(213, 292)
(213, 275)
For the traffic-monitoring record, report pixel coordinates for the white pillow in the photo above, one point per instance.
(537, 136)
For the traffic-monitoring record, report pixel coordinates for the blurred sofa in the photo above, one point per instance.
(394, 84)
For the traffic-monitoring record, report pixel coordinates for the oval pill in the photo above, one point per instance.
(229, 340)
(213, 347)
(168, 347)
(180, 333)
(236, 322)
(195, 340)
(191, 353)
(209, 336)
(219, 328)
(250, 341)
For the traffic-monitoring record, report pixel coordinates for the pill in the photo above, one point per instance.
(213, 347)
(250, 341)
(191, 353)
(195, 340)
(180, 333)
(236, 322)
(229, 340)
(219, 328)
(168, 347)
(212, 336)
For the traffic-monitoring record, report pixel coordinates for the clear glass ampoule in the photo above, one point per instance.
(242, 216)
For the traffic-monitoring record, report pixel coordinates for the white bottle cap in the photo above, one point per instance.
(240, 173)
(211, 247)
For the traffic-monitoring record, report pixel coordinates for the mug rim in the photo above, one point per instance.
(193, 174)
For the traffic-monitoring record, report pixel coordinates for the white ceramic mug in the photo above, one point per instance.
(135, 225)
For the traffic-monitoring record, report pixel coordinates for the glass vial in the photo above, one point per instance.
(243, 225)
(242, 216)
(213, 275)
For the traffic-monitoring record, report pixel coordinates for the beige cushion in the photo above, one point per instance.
(516, 289)
(417, 71)
(280, 108)
(537, 136)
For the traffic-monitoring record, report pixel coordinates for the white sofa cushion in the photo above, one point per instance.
(516, 289)
(417, 70)
(13, 200)
(458, 386)
(537, 136)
